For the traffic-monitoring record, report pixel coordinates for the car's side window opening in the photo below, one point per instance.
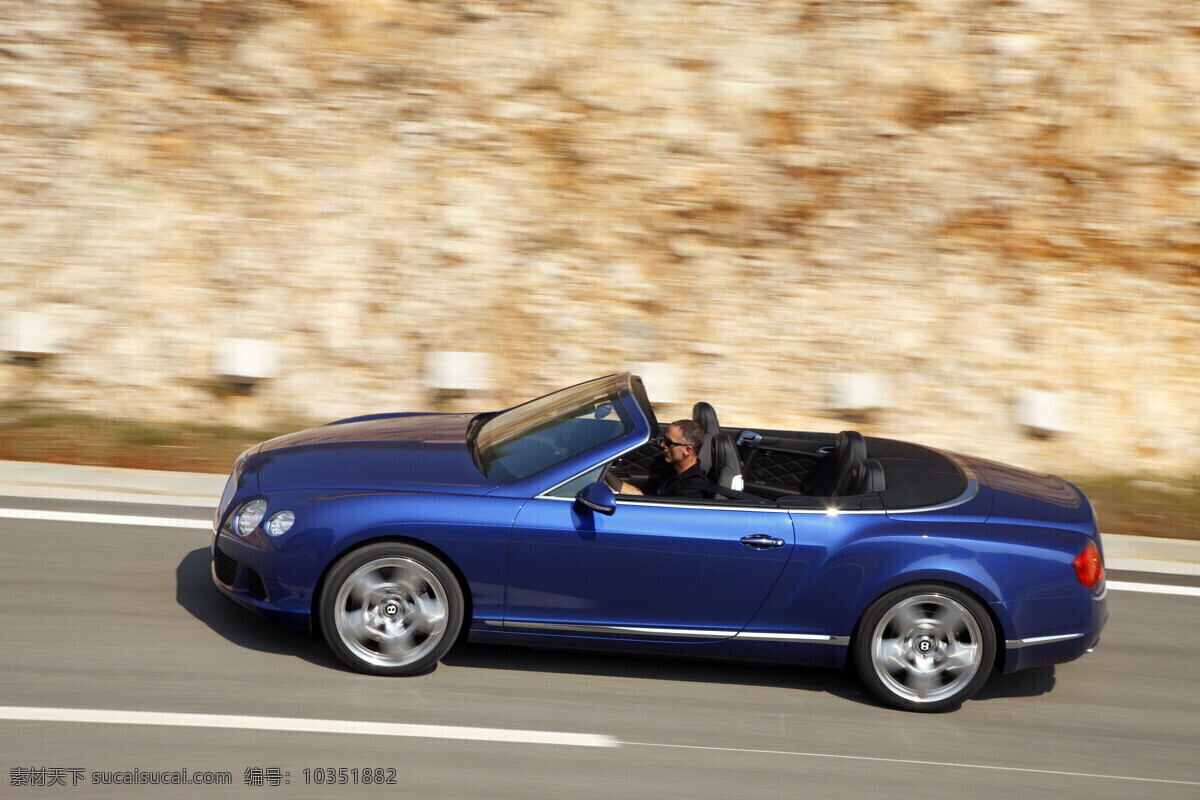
(641, 466)
(615, 473)
(780, 471)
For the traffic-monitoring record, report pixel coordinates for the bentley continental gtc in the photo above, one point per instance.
(396, 535)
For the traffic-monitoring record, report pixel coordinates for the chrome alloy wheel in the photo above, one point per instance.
(926, 648)
(391, 612)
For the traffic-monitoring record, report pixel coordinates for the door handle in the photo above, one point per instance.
(760, 541)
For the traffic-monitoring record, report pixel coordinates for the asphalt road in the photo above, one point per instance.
(123, 618)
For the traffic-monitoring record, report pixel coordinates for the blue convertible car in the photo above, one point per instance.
(396, 534)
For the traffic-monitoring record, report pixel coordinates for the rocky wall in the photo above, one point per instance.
(966, 199)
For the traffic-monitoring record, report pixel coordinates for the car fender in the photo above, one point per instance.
(470, 534)
(983, 590)
(900, 562)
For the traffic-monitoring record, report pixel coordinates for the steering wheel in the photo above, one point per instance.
(613, 480)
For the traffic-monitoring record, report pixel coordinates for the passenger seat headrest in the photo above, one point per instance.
(865, 477)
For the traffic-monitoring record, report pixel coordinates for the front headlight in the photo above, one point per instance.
(280, 523)
(250, 515)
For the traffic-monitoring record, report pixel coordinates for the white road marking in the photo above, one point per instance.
(1099, 776)
(33, 714)
(104, 519)
(1151, 565)
(1154, 588)
(204, 500)
(297, 725)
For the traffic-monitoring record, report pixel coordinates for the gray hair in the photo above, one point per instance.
(690, 432)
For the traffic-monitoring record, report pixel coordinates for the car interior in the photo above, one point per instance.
(764, 468)
(805, 470)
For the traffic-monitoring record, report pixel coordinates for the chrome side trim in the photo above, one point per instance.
(679, 632)
(700, 506)
(809, 638)
(684, 633)
(1017, 644)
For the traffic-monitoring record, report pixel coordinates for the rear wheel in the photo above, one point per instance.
(390, 609)
(926, 647)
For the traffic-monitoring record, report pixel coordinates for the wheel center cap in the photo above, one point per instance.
(924, 645)
(391, 608)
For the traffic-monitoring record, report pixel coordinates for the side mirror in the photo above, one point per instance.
(597, 497)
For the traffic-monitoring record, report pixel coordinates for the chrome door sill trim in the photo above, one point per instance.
(810, 638)
(684, 633)
(681, 632)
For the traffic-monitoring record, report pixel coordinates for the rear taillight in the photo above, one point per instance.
(1089, 567)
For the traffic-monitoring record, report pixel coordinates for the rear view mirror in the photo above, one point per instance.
(597, 497)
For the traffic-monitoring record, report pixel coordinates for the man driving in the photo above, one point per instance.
(680, 445)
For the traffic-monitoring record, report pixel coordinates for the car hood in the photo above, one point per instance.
(419, 452)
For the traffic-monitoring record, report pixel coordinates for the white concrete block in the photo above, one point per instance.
(1040, 412)
(858, 391)
(458, 371)
(32, 334)
(244, 359)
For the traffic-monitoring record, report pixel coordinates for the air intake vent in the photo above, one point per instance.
(225, 568)
(254, 584)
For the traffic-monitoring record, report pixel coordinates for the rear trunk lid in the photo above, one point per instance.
(1022, 496)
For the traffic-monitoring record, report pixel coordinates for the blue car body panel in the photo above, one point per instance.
(655, 576)
(648, 565)
(414, 451)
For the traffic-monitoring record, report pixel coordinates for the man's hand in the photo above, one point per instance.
(619, 486)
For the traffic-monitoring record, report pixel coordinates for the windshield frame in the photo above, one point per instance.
(556, 408)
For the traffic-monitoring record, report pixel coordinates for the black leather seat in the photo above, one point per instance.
(706, 417)
(726, 470)
(865, 477)
(848, 448)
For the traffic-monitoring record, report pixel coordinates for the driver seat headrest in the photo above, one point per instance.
(706, 417)
(726, 468)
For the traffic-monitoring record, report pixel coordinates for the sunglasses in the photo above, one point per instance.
(665, 442)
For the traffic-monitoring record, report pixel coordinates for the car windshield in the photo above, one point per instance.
(543, 433)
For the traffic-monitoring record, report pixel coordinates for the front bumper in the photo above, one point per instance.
(237, 574)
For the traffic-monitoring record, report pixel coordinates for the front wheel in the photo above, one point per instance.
(926, 647)
(390, 609)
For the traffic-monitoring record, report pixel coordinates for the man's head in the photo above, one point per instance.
(681, 444)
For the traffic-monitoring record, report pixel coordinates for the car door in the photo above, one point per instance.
(651, 569)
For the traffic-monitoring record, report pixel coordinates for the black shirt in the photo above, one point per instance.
(689, 483)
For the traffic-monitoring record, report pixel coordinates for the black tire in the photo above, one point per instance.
(390, 608)
(925, 647)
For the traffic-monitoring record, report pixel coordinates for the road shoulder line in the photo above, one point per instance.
(915, 762)
(104, 519)
(299, 725)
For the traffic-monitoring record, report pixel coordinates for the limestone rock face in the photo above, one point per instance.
(967, 200)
